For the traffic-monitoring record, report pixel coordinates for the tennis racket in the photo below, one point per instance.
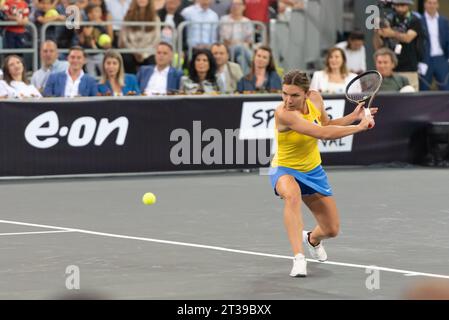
(364, 88)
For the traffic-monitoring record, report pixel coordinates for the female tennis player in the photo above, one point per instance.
(296, 171)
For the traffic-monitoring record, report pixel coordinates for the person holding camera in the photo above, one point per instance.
(402, 32)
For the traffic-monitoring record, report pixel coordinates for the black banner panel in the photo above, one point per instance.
(114, 135)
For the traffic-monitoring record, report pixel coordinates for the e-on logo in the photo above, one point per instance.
(41, 131)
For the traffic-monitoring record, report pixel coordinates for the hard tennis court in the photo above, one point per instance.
(219, 236)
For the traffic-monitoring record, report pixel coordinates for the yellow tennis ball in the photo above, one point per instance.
(104, 40)
(51, 13)
(149, 198)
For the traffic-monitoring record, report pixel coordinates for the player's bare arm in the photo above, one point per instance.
(356, 115)
(291, 120)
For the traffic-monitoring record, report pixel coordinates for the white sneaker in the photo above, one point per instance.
(317, 252)
(299, 266)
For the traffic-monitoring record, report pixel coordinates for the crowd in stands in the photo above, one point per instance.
(218, 58)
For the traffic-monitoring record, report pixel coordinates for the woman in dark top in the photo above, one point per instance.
(201, 78)
(263, 75)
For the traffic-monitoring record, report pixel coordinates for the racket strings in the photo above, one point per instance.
(364, 87)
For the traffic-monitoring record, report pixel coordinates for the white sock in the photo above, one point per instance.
(299, 256)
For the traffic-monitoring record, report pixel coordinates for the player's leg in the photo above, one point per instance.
(326, 214)
(288, 189)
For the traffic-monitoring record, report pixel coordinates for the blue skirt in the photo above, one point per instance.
(314, 181)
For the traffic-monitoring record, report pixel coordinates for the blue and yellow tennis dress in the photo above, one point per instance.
(298, 155)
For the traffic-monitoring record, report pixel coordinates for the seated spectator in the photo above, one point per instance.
(162, 78)
(201, 35)
(15, 84)
(42, 16)
(73, 82)
(335, 77)
(89, 39)
(202, 70)
(114, 81)
(104, 17)
(237, 33)
(386, 61)
(228, 73)
(38, 5)
(355, 52)
(18, 11)
(140, 37)
(263, 76)
(50, 64)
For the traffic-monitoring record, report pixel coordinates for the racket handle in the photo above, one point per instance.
(368, 114)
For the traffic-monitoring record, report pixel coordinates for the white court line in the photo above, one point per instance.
(33, 232)
(186, 244)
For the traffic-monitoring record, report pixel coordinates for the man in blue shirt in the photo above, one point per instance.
(201, 35)
(50, 64)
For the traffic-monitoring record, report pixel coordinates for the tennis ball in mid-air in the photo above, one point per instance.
(51, 13)
(104, 40)
(149, 198)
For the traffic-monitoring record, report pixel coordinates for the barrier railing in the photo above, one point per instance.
(124, 24)
(33, 50)
(297, 42)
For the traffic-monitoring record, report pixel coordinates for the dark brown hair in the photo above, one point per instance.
(7, 74)
(271, 65)
(135, 13)
(297, 78)
(77, 48)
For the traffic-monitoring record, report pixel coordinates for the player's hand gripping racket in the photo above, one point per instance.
(364, 88)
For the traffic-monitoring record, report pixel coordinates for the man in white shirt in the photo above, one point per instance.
(436, 63)
(228, 73)
(160, 79)
(355, 52)
(201, 35)
(50, 64)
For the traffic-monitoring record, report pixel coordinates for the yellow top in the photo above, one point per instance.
(298, 151)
